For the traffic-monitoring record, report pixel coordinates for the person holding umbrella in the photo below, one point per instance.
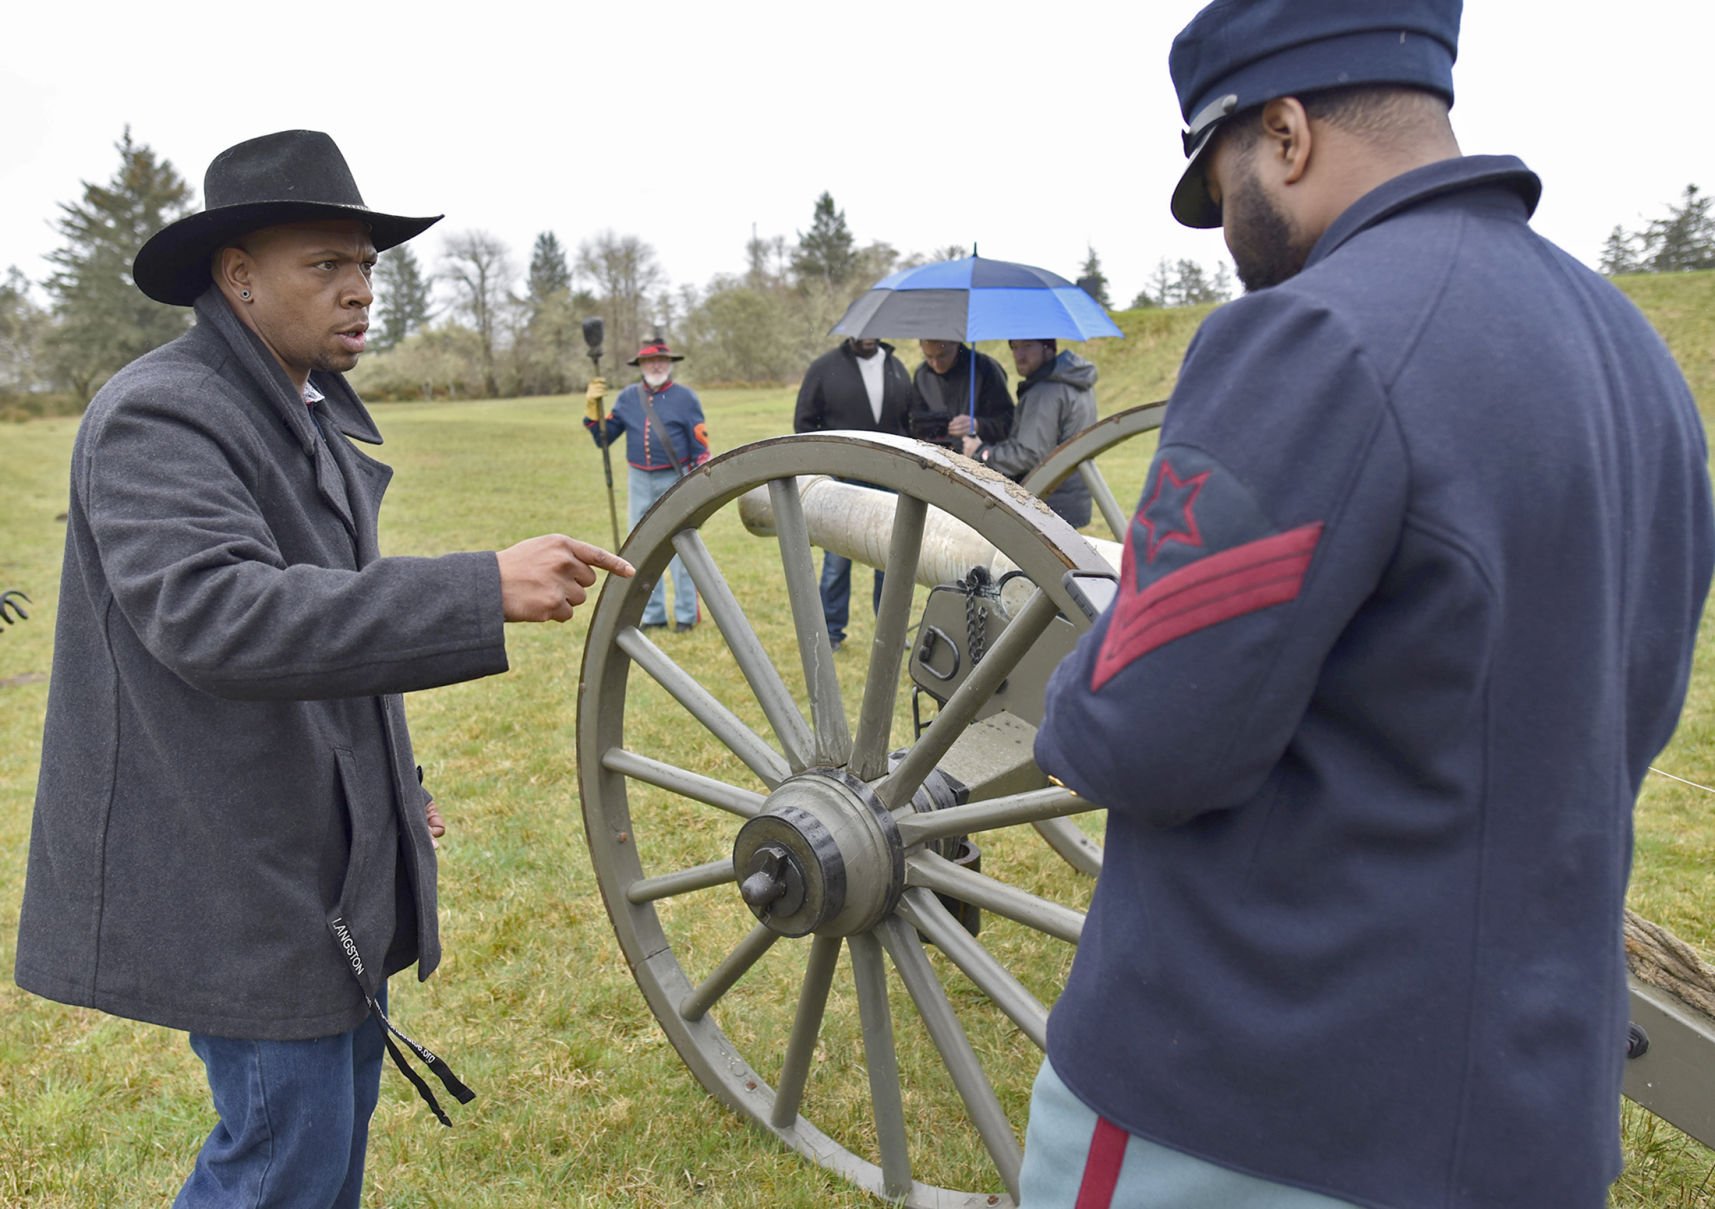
(945, 303)
(666, 437)
(1056, 401)
(946, 400)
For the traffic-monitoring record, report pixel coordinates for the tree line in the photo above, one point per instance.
(1681, 240)
(462, 327)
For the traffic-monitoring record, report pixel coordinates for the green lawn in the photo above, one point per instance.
(581, 1100)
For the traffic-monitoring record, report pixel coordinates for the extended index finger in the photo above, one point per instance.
(607, 560)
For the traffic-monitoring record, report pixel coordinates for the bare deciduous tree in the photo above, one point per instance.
(479, 267)
(624, 274)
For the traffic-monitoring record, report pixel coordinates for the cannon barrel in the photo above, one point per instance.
(857, 523)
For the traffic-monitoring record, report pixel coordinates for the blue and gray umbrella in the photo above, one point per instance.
(975, 299)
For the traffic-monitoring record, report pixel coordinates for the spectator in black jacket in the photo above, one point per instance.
(860, 385)
(943, 385)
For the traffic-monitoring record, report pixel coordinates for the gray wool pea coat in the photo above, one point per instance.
(226, 772)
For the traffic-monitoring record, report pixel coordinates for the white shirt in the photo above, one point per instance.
(873, 369)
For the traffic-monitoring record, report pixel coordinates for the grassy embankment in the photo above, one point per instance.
(582, 1101)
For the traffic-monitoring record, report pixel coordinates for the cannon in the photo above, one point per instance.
(845, 890)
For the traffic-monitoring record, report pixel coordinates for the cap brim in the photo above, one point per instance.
(1191, 204)
(658, 356)
(172, 267)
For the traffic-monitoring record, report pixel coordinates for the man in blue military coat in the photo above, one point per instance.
(1407, 607)
(666, 438)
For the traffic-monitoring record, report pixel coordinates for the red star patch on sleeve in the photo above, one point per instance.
(1233, 583)
(1169, 514)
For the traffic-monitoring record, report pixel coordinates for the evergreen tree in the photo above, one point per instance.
(1619, 254)
(1685, 239)
(1192, 285)
(1221, 287)
(827, 253)
(401, 295)
(1162, 286)
(549, 274)
(1093, 281)
(1682, 241)
(546, 354)
(102, 321)
(1185, 283)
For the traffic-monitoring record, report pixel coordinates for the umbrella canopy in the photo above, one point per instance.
(975, 299)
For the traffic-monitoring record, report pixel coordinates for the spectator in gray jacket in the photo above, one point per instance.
(1056, 401)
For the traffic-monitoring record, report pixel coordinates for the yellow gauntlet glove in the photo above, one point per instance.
(593, 396)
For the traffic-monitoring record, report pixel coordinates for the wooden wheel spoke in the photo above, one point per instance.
(806, 1028)
(892, 621)
(944, 877)
(870, 975)
(1075, 848)
(955, 1049)
(1012, 645)
(721, 722)
(803, 590)
(682, 881)
(1029, 807)
(1118, 522)
(759, 670)
(736, 965)
(744, 803)
(923, 911)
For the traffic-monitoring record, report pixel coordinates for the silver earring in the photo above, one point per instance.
(244, 294)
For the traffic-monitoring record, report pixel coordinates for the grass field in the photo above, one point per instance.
(581, 1099)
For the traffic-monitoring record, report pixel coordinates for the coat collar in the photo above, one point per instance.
(340, 405)
(1430, 181)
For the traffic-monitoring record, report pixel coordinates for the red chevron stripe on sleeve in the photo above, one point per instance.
(1241, 580)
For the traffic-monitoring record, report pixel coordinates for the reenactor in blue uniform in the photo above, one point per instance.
(1407, 608)
(665, 437)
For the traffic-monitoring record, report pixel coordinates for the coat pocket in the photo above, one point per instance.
(354, 915)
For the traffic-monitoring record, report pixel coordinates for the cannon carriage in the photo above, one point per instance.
(848, 894)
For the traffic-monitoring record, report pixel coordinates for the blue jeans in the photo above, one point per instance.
(294, 1120)
(642, 490)
(837, 593)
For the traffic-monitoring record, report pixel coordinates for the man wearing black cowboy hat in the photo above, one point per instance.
(665, 438)
(230, 836)
(1407, 608)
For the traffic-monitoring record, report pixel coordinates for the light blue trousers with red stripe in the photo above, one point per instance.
(1074, 1159)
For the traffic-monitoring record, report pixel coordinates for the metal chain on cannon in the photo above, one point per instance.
(976, 584)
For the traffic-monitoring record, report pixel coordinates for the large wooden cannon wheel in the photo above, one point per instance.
(1078, 456)
(796, 899)
(798, 878)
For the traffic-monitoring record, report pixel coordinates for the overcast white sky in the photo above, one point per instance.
(1033, 130)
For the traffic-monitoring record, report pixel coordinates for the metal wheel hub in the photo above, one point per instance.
(825, 856)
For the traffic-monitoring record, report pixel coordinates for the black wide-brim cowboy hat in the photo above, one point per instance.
(292, 176)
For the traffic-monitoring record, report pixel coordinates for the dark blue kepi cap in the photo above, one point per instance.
(1238, 54)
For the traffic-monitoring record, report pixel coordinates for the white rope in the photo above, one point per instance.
(1658, 772)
